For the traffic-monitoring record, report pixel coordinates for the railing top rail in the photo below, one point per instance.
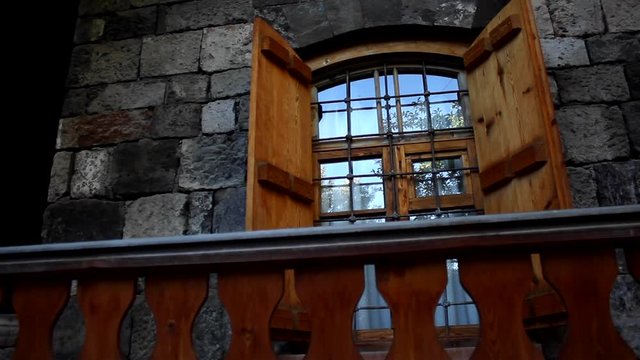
(532, 231)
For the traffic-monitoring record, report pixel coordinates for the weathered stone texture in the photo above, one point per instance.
(622, 15)
(138, 335)
(7, 353)
(563, 52)
(242, 110)
(104, 63)
(576, 17)
(170, 54)
(226, 47)
(543, 19)
(157, 215)
(91, 174)
(145, 167)
(459, 13)
(229, 211)
(88, 7)
(614, 47)
(632, 73)
(178, 120)
(88, 30)
(381, 12)
(625, 310)
(130, 95)
(187, 88)
(345, 15)
(200, 213)
(202, 13)
(308, 22)
(83, 220)
(131, 23)
(616, 183)
(230, 83)
(583, 186)
(213, 162)
(553, 87)
(60, 177)
(592, 133)
(276, 17)
(77, 100)
(211, 329)
(69, 331)
(593, 84)
(141, 3)
(219, 117)
(631, 114)
(111, 128)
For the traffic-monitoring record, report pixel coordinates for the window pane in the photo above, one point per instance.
(447, 115)
(364, 122)
(448, 182)
(364, 88)
(334, 192)
(368, 191)
(338, 92)
(333, 121)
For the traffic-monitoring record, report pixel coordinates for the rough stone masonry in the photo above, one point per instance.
(152, 137)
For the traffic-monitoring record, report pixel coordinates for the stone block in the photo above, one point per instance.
(625, 310)
(276, 17)
(243, 112)
(112, 128)
(229, 211)
(77, 100)
(601, 83)
(202, 13)
(177, 121)
(381, 12)
(457, 13)
(622, 15)
(140, 326)
(616, 183)
(7, 353)
(592, 133)
(213, 162)
(69, 331)
(170, 54)
(60, 177)
(89, 7)
(614, 47)
(576, 17)
(631, 114)
(145, 167)
(563, 52)
(632, 73)
(129, 95)
(219, 117)
(416, 12)
(230, 83)
(583, 187)
(88, 30)
(308, 22)
(543, 19)
(141, 3)
(200, 213)
(104, 63)
(91, 174)
(486, 10)
(83, 220)
(131, 23)
(157, 215)
(226, 47)
(211, 328)
(187, 88)
(264, 3)
(344, 15)
(553, 87)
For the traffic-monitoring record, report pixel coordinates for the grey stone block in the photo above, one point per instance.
(242, 111)
(170, 54)
(176, 121)
(219, 117)
(230, 83)
(593, 84)
(486, 10)
(543, 19)
(130, 95)
(77, 100)
(112, 128)
(69, 332)
(264, 3)
(583, 187)
(614, 47)
(631, 114)
(213, 162)
(576, 17)
(229, 211)
(592, 133)
(187, 88)
(308, 22)
(89, 7)
(202, 13)
(91, 174)
(141, 3)
(89, 29)
(141, 330)
(104, 63)
(563, 52)
(226, 47)
(622, 15)
(131, 23)
(7, 353)
(83, 220)
(200, 212)
(211, 329)
(457, 13)
(344, 15)
(157, 215)
(381, 12)
(553, 87)
(276, 17)
(417, 12)
(632, 73)
(624, 304)
(616, 183)
(60, 177)
(145, 167)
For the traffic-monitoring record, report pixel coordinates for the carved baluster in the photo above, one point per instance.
(250, 299)
(38, 305)
(104, 303)
(584, 279)
(331, 293)
(498, 286)
(175, 301)
(412, 292)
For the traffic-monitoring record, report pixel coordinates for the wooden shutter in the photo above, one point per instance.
(279, 171)
(518, 144)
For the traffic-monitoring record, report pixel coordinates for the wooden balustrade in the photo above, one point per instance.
(576, 248)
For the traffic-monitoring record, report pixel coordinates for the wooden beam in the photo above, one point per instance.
(277, 179)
